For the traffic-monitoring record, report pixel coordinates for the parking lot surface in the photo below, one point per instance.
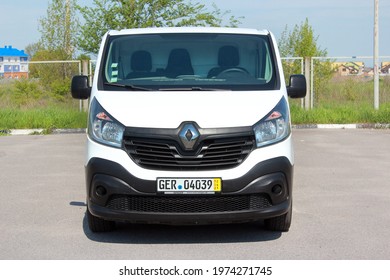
(341, 206)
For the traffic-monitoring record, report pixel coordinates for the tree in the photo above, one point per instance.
(58, 42)
(58, 29)
(32, 49)
(301, 42)
(118, 14)
(55, 78)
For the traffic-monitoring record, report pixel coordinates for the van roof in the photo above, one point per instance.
(160, 30)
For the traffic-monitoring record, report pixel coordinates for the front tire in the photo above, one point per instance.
(97, 224)
(279, 223)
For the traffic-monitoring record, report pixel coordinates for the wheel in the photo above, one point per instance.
(279, 223)
(97, 224)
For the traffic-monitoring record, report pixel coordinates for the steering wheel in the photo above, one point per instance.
(234, 70)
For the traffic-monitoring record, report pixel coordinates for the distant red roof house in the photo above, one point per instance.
(13, 63)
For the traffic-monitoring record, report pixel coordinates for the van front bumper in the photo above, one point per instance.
(115, 194)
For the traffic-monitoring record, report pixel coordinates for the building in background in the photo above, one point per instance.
(349, 68)
(385, 68)
(13, 63)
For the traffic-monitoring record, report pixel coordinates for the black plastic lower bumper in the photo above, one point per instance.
(115, 194)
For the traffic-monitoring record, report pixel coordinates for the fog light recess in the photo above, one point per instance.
(101, 191)
(277, 189)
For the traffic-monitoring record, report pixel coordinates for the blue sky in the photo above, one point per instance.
(344, 27)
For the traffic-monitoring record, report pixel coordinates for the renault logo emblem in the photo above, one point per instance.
(188, 136)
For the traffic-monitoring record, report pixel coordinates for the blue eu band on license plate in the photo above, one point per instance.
(189, 185)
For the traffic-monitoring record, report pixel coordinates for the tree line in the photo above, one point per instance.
(72, 31)
(69, 29)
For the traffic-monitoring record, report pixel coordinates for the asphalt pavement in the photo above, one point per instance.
(341, 206)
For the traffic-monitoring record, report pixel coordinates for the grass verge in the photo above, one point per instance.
(46, 118)
(341, 114)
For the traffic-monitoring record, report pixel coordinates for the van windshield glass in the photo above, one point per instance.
(183, 61)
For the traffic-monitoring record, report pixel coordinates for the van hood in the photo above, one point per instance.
(169, 109)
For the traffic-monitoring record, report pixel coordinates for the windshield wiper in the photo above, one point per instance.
(191, 89)
(132, 87)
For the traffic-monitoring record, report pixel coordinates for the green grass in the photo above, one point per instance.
(340, 114)
(46, 118)
(28, 105)
(343, 100)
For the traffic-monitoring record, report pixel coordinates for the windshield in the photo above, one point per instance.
(183, 61)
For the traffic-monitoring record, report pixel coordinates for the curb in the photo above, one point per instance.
(343, 126)
(40, 131)
(69, 131)
(296, 126)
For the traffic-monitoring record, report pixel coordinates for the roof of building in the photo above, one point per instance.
(385, 69)
(10, 51)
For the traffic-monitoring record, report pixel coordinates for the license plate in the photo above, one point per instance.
(189, 185)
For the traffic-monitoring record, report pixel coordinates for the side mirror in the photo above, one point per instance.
(297, 87)
(80, 88)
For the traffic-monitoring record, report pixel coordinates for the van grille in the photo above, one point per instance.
(188, 204)
(211, 154)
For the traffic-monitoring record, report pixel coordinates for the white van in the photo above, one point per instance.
(189, 126)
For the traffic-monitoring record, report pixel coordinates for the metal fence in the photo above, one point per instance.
(338, 81)
(37, 82)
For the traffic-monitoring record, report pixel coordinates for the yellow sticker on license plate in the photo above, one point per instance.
(189, 185)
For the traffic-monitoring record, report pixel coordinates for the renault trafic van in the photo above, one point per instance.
(189, 126)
